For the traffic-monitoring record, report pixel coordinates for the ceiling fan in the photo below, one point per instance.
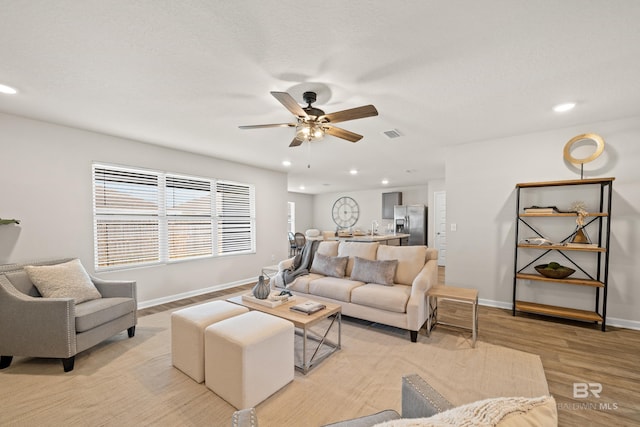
(312, 123)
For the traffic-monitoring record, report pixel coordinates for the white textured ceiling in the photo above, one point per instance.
(185, 74)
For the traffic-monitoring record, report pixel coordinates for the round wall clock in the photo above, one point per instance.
(345, 212)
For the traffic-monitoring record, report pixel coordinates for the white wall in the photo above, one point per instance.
(304, 210)
(45, 171)
(480, 185)
(370, 203)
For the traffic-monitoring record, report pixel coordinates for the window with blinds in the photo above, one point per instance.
(189, 219)
(235, 213)
(145, 217)
(126, 217)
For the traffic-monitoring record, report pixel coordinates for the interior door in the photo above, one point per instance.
(440, 220)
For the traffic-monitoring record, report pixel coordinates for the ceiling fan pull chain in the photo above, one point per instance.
(309, 153)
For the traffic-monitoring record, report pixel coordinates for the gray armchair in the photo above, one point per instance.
(57, 327)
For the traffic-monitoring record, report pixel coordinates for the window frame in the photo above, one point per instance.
(167, 211)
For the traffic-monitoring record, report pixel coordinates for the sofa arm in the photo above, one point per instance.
(286, 263)
(417, 306)
(419, 399)
(35, 326)
(115, 288)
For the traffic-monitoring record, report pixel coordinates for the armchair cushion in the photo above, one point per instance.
(66, 280)
(91, 314)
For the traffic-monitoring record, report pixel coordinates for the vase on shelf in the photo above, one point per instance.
(261, 290)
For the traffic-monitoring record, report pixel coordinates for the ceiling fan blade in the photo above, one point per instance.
(290, 104)
(274, 125)
(342, 133)
(296, 141)
(350, 114)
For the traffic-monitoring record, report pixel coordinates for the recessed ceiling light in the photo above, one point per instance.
(353, 172)
(385, 181)
(302, 187)
(286, 163)
(561, 108)
(8, 90)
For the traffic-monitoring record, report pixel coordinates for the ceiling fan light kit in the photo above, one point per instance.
(312, 123)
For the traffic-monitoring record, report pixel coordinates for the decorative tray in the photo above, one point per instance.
(271, 300)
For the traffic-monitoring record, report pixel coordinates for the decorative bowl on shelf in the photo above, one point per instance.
(553, 270)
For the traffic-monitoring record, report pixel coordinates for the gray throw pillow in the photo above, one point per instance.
(329, 265)
(379, 272)
(66, 280)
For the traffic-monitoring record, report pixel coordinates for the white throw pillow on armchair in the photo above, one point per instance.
(66, 280)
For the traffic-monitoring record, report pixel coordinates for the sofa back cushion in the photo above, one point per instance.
(357, 249)
(411, 259)
(20, 280)
(328, 248)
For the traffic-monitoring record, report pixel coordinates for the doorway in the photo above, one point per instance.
(440, 220)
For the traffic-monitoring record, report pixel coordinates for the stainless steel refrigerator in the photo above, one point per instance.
(411, 219)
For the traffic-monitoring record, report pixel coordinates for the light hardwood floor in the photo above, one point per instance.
(571, 352)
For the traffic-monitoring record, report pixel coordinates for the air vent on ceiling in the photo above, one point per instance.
(393, 133)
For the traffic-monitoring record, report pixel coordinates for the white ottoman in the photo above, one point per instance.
(187, 334)
(248, 357)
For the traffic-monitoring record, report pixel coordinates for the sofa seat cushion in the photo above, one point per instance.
(357, 249)
(391, 298)
(334, 288)
(411, 259)
(91, 314)
(301, 284)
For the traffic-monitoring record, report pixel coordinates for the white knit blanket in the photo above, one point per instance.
(487, 412)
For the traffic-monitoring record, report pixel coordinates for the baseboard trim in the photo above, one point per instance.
(176, 297)
(611, 321)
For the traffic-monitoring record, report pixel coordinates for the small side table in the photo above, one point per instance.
(466, 295)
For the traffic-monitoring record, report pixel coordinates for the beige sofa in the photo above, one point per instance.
(401, 304)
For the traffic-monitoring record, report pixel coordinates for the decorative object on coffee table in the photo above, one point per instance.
(262, 289)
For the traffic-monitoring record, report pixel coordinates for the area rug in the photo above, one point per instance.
(126, 382)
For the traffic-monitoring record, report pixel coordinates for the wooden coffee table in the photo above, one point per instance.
(303, 323)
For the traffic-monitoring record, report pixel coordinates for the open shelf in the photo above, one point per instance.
(592, 260)
(562, 247)
(581, 282)
(552, 310)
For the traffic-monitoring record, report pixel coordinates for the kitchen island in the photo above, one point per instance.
(401, 238)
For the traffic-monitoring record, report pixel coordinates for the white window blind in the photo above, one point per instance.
(189, 217)
(143, 217)
(126, 217)
(235, 213)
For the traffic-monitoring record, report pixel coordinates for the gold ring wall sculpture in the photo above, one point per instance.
(586, 136)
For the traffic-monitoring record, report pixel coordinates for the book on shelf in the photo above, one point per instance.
(581, 245)
(308, 307)
(541, 209)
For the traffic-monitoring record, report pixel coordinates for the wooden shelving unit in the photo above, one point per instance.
(596, 272)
